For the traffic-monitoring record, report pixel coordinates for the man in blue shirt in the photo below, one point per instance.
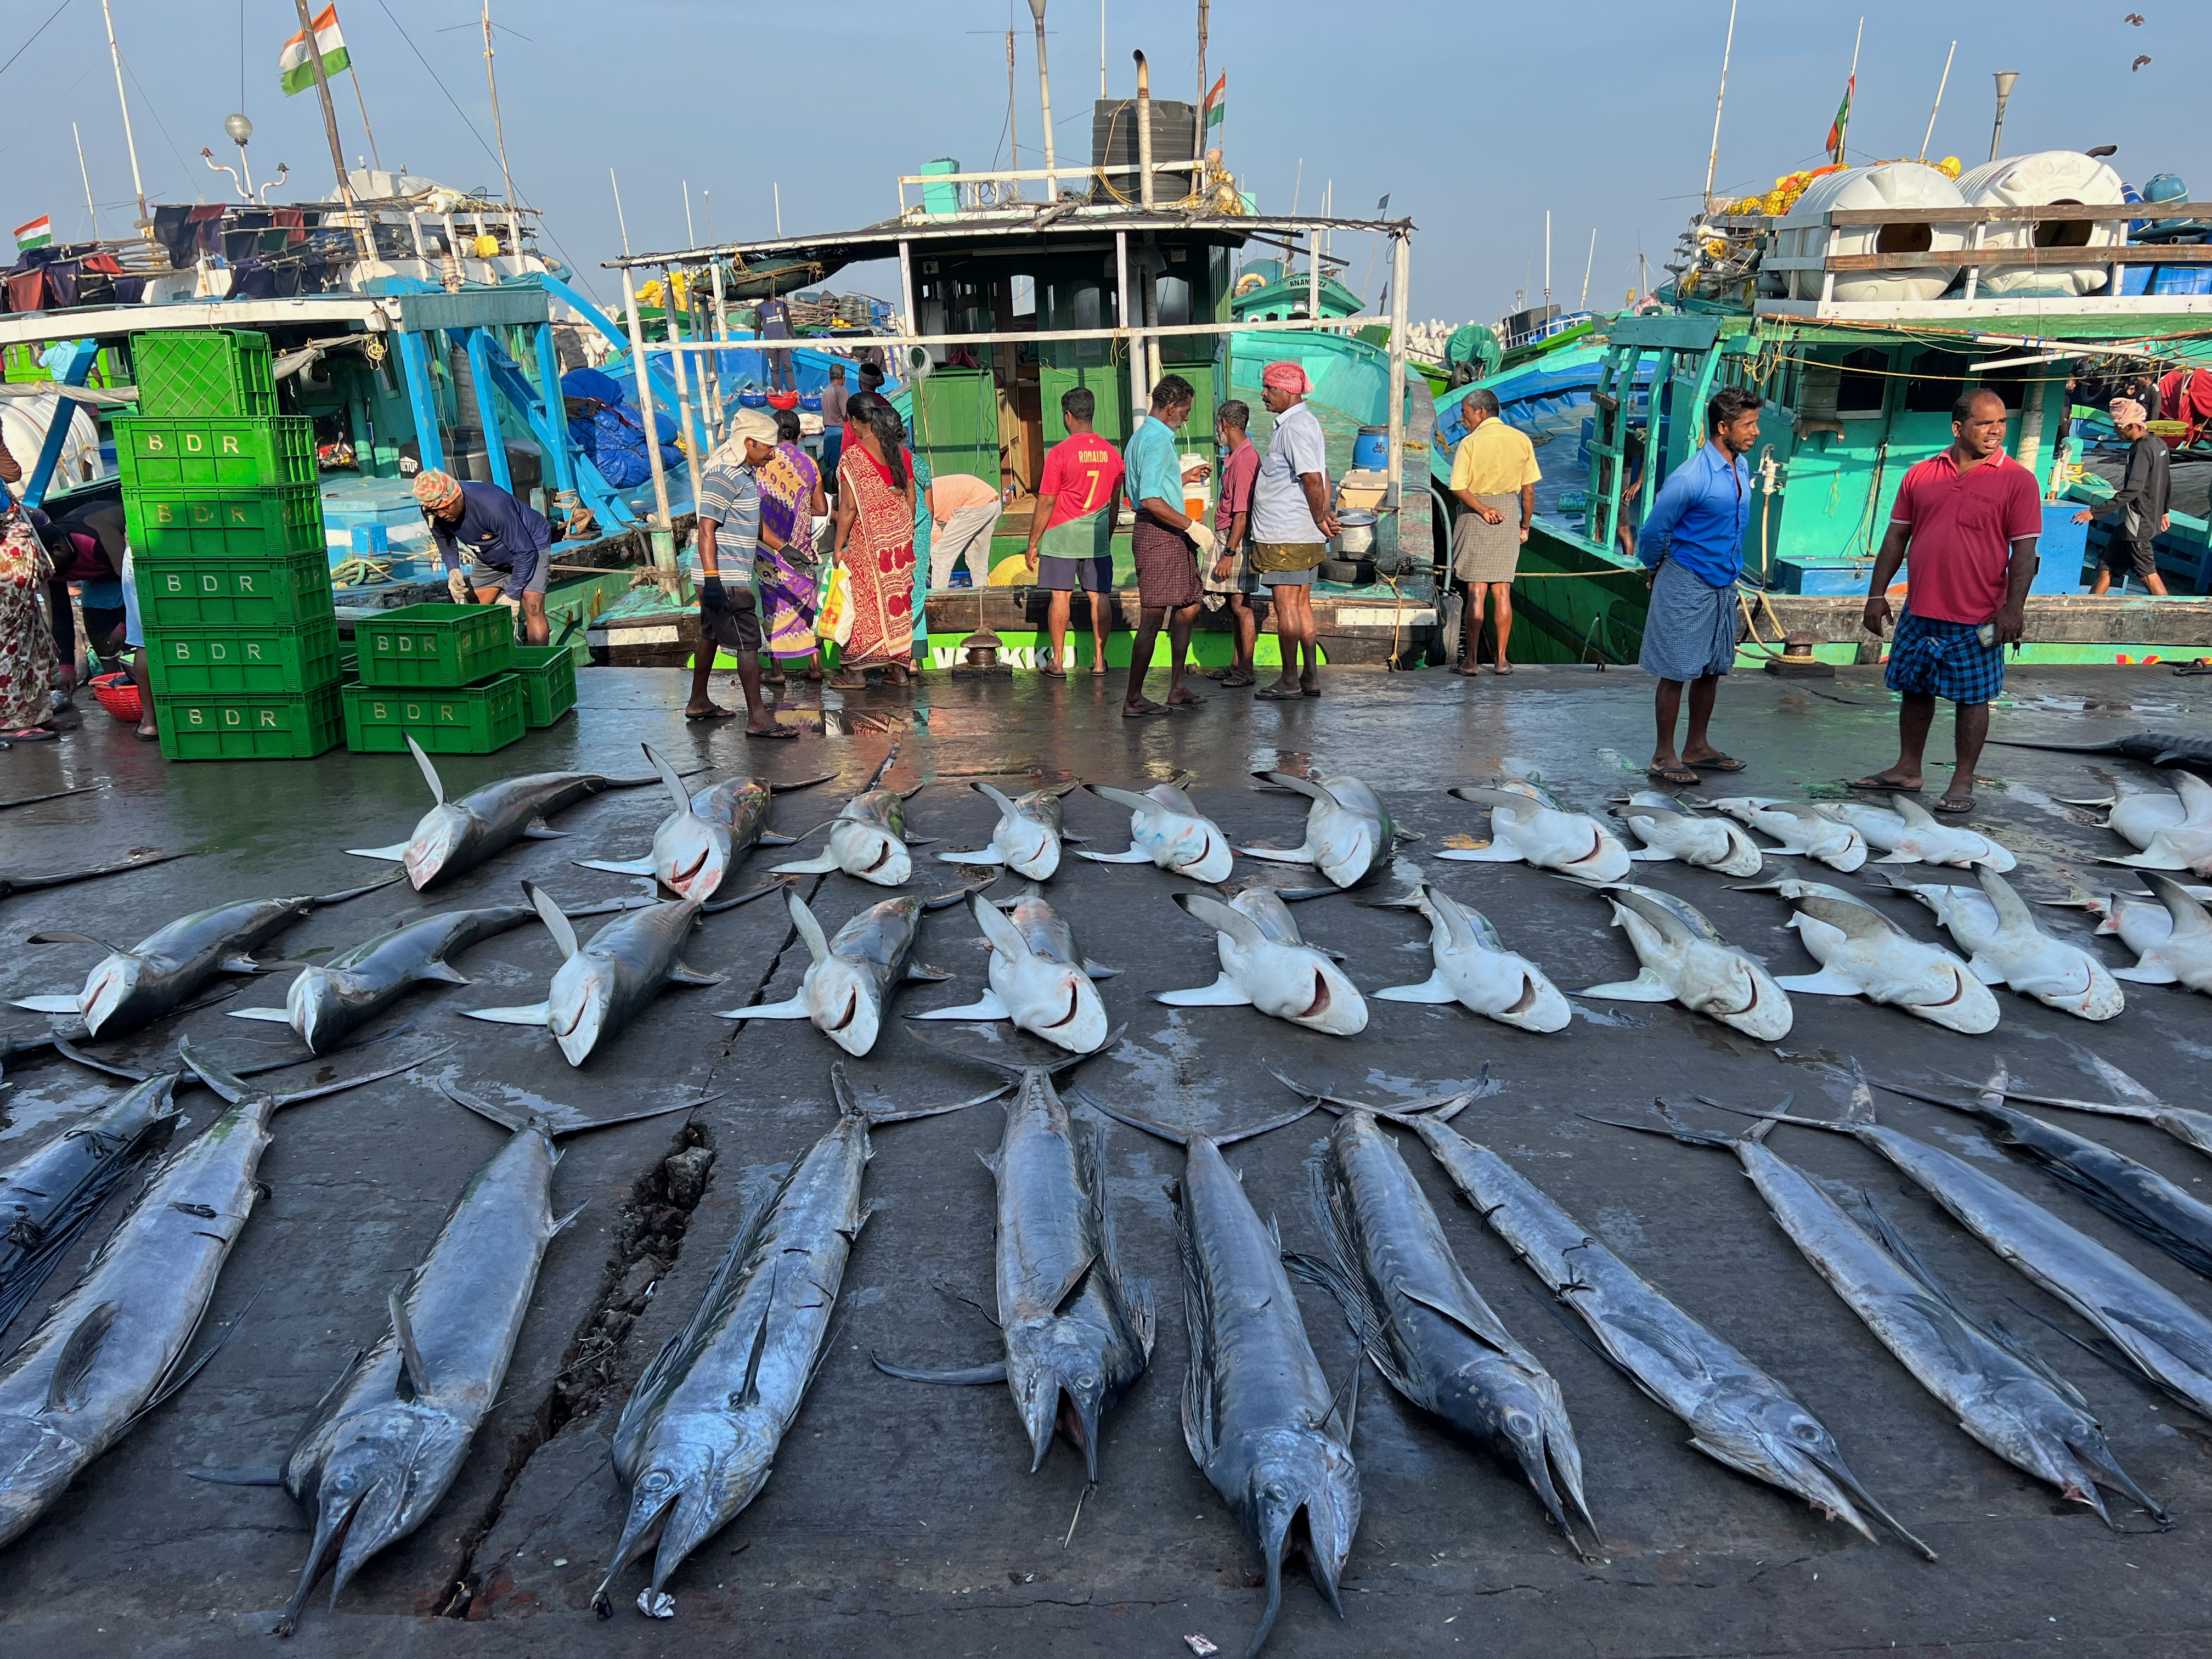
(1694, 543)
(506, 542)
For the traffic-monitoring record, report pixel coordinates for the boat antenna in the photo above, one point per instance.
(1013, 125)
(1044, 95)
(619, 219)
(1929, 137)
(1713, 162)
(776, 185)
(691, 236)
(1102, 48)
(329, 126)
(491, 80)
(89, 206)
(1584, 304)
(145, 220)
(1198, 127)
(1547, 256)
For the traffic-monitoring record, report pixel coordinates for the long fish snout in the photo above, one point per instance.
(1804, 1458)
(1066, 1394)
(1304, 1501)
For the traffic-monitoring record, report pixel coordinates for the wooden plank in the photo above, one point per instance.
(2052, 619)
(1960, 258)
(1689, 332)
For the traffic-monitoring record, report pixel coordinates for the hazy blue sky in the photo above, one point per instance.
(1475, 117)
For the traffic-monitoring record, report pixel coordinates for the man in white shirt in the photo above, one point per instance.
(1291, 522)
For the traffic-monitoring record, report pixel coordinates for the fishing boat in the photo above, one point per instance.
(1859, 308)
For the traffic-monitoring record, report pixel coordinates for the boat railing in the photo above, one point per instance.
(1073, 173)
(1832, 262)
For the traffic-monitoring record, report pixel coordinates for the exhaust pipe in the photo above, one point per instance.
(1144, 128)
(1044, 92)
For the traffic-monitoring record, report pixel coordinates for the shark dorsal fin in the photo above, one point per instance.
(817, 944)
(668, 776)
(556, 923)
(1005, 939)
(429, 772)
(1915, 815)
(997, 798)
(2012, 912)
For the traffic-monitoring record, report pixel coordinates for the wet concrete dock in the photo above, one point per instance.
(902, 1516)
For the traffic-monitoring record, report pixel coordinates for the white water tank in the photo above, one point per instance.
(2049, 178)
(1892, 184)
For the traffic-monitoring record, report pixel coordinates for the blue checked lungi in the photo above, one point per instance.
(1944, 659)
(1690, 629)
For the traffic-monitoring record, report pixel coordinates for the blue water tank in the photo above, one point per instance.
(1370, 450)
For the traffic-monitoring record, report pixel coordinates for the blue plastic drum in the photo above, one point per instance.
(1370, 450)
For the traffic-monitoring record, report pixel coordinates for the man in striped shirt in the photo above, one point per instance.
(730, 532)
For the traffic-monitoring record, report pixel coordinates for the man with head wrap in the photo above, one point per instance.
(2141, 502)
(1291, 522)
(506, 542)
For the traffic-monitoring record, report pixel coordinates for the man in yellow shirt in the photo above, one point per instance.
(1494, 464)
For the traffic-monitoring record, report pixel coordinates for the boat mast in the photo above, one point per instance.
(1547, 259)
(84, 173)
(1713, 161)
(1588, 265)
(1013, 126)
(115, 55)
(498, 132)
(329, 127)
(1851, 93)
(1198, 132)
(1929, 137)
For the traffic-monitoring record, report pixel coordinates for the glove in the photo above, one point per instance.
(457, 584)
(1198, 532)
(711, 595)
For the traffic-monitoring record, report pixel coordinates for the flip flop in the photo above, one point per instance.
(1276, 693)
(777, 731)
(1680, 776)
(1186, 702)
(1717, 763)
(1053, 673)
(29, 734)
(1875, 781)
(1504, 669)
(1467, 672)
(1309, 691)
(1238, 681)
(146, 736)
(1221, 675)
(713, 711)
(1954, 806)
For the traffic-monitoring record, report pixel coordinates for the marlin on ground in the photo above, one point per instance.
(454, 836)
(165, 970)
(117, 1345)
(850, 978)
(2152, 748)
(11, 885)
(1077, 1331)
(699, 846)
(1039, 978)
(1349, 836)
(1258, 1414)
(867, 839)
(2185, 1124)
(698, 1438)
(58, 794)
(1028, 834)
(384, 1446)
(1167, 829)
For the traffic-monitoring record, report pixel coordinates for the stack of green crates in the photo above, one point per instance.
(442, 674)
(226, 527)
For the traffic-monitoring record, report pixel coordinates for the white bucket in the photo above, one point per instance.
(1893, 183)
(2048, 178)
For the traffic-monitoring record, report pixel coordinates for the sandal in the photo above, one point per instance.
(1187, 701)
(1718, 763)
(1276, 693)
(848, 683)
(1875, 780)
(777, 731)
(1954, 804)
(30, 734)
(1467, 670)
(1053, 673)
(1238, 681)
(713, 711)
(1504, 669)
(1143, 711)
(1680, 776)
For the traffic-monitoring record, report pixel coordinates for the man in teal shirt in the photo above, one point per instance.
(1166, 543)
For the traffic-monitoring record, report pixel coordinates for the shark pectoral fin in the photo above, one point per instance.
(1134, 855)
(542, 830)
(67, 1004)
(1985, 971)
(62, 938)
(1826, 983)
(2146, 972)
(981, 855)
(246, 1474)
(990, 1007)
(65, 1388)
(1650, 855)
(973, 1376)
(1646, 987)
(815, 866)
(536, 1014)
(795, 1008)
(1276, 854)
(274, 1015)
(618, 867)
(923, 841)
(923, 971)
(682, 974)
(1493, 853)
(441, 972)
(240, 965)
(388, 855)
(1431, 989)
(1222, 993)
(1099, 970)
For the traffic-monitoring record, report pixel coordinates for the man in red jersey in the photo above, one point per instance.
(1072, 532)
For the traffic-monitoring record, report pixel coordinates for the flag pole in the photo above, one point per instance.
(114, 53)
(1850, 94)
(492, 81)
(330, 130)
(1929, 137)
(84, 173)
(1713, 162)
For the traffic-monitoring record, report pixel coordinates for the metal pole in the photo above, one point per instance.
(1144, 133)
(777, 187)
(906, 289)
(84, 173)
(1547, 259)
(663, 528)
(1929, 137)
(2004, 80)
(620, 221)
(1044, 93)
(1850, 92)
(373, 154)
(491, 80)
(115, 55)
(1198, 133)
(1584, 303)
(1313, 275)
(1401, 262)
(1013, 128)
(1101, 51)
(722, 333)
(330, 129)
(691, 445)
(1713, 162)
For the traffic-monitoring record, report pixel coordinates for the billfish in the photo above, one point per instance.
(454, 836)
(2152, 748)
(867, 839)
(1912, 834)
(1038, 977)
(1474, 968)
(11, 885)
(1165, 828)
(2004, 946)
(1799, 829)
(1862, 952)
(1526, 825)
(2183, 955)
(850, 978)
(601, 986)
(386, 1444)
(1027, 836)
(2183, 846)
(1266, 964)
(157, 975)
(699, 846)
(1349, 836)
(1667, 832)
(1687, 961)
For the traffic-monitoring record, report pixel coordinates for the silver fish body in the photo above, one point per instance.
(849, 977)
(1267, 964)
(1027, 836)
(127, 989)
(1350, 838)
(330, 999)
(1685, 960)
(698, 846)
(1667, 832)
(1168, 830)
(1474, 968)
(868, 840)
(1038, 979)
(1798, 828)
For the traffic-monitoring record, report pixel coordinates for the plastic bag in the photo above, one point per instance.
(835, 622)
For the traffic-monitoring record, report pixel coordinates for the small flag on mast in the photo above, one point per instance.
(39, 233)
(1217, 103)
(295, 70)
(1842, 122)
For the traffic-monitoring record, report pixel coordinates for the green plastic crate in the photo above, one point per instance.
(195, 371)
(163, 453)
(179, 523)
(288, 726)
(468, 720)
(435, 644)
(548, 673)
(233, 662)
(215, 594)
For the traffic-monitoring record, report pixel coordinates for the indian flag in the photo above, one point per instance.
(39, 233)
(295, 70)
(1217, 103)
(1841, 125)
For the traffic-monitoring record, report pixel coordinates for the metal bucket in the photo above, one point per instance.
(1357, 538)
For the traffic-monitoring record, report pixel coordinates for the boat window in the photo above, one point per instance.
(1071, 305)
(1938, 378)
(1863, 386)
(2009, 383)
(1174, 294)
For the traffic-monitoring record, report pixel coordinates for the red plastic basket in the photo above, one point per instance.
(118, 693)
(783, 400)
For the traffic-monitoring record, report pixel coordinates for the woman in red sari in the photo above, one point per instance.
(875, 543)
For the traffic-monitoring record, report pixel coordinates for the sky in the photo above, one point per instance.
(1475, 118)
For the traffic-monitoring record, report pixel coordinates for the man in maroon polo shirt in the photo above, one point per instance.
(1965, 523)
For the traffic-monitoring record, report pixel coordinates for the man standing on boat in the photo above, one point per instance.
(508, 544)
(1165, 542)
(1291, 522)
(731, 535)
(1494, 471)
(1078, 498)
(1965, 523)
(772, 317)
(1694, 544)
(2146, 489)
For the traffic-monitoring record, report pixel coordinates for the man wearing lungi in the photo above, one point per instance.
(1965, 525)
(1166, 543)
(1694, 544)
(1494, 472)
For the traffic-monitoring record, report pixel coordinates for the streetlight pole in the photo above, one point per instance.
(2004, 80)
